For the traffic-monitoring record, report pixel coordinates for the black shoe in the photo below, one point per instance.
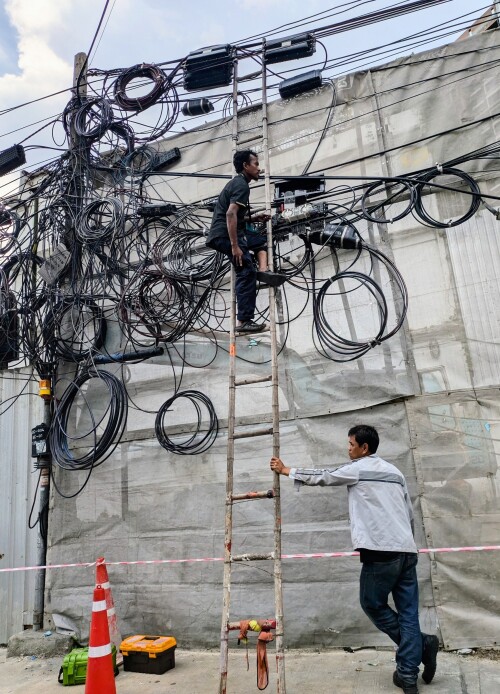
(429, 657)
(405, 686)
(250, 326)
(272, 279)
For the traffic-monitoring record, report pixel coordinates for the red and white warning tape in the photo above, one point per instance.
(315, 555)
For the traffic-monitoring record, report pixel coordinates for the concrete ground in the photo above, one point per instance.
(311, 672)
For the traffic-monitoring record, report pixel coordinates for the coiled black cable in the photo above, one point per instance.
(100, 219)
(425, 179)
(102, 445)
(341, 349)
(153, 74)
(198, 442)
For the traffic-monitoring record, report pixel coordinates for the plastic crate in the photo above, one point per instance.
(148, 654)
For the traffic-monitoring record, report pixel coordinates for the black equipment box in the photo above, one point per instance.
(11, 158)
(208, 68)
(289, 48)
(300, 83)
(160, 210)
(168, 158)
(299, 186)
(150, 654)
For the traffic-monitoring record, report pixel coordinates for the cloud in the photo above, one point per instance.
(40, 69)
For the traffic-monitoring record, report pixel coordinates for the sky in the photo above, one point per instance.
(39, 38)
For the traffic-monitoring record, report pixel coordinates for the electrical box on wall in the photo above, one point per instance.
(208, 68)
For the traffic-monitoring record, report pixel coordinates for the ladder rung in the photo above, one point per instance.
(252, 557)
(255, 432)
(253, 379)
(268, 494)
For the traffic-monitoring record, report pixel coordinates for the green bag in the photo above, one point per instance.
(74, 667)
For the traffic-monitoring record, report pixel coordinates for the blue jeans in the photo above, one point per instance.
(399, 577)
(246, 285)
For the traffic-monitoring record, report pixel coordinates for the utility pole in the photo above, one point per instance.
(46, 386)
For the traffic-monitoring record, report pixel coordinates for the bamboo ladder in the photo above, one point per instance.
(233, 435)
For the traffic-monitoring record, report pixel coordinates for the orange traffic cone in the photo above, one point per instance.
(101, 578)
(100, 676)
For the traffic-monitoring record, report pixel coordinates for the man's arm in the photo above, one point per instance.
(345, 474)
(410, 508)
(232, 227)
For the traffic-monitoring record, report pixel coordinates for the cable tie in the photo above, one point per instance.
(439, 167)
(374, 343)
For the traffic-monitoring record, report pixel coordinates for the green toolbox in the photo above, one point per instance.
(74, 667)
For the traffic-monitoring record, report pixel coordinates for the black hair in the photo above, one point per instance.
(364, 433)
(241, 157)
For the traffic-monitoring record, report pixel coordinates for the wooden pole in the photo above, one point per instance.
(278, 573)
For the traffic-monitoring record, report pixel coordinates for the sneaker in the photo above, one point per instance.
(250, 326)
(429, 657)
(272, 279)
(407, 687)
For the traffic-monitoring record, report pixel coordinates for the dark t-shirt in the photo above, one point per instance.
(238, 191)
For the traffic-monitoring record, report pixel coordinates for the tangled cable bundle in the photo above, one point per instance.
(10, 226)
(199, 441)
(77, 328)
(92, 252)
(102, 444)
(100, 219)
(93, 118)
(180, 251)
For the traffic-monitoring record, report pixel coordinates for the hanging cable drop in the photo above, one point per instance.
(333, 345)
(199, 441)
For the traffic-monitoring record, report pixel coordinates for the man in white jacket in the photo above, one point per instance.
(381, 517)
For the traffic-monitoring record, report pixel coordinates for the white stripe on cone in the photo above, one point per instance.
(99, 606)
(99, 651)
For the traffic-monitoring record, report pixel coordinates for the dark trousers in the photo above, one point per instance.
(399, 577)
(246, 285)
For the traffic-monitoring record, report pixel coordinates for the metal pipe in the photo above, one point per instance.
(43, 515)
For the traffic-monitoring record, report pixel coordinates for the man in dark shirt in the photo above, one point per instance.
(230, 234)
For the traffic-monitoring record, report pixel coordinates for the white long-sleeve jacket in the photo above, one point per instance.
(380, 508)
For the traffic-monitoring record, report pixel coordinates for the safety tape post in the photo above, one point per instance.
(315, 555)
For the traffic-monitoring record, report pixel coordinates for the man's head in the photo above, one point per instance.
(363, 440)
(246, 162)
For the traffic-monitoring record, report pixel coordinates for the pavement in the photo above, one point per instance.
(365, 671)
